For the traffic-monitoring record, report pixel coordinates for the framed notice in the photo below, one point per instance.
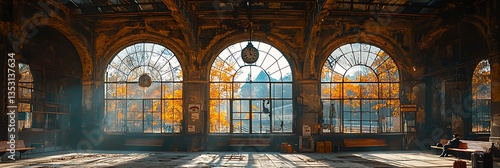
(195, 116)
(194, 108)
(191, 128)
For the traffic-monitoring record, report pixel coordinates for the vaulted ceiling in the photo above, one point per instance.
(260, 9)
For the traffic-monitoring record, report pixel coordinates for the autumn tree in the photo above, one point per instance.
(481, 80)
(221, 88)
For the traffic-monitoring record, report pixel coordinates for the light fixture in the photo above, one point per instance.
(250, 54)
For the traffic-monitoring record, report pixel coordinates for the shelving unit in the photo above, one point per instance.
(46, 123)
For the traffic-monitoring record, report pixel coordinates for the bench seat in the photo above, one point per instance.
(20, 147)
(467, 146)
(372, 142)
(249, 142)
(143, 142)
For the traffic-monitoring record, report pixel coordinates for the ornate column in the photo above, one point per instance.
(309, 106)
(495, 100)
(195, 113)
(495, 73)
(3, 117)
(5, 44)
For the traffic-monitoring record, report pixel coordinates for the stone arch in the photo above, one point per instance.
(80, 43)
(479, 24)
(270, 39)
(123, 43)
(474, 23)
(461, 46)
(400, 57)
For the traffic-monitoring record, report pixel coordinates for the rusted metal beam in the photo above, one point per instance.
(254, 11)
(165, 15)
(363, 13)
(254, 17)
(182, 14)
(254, 1)
(185, 18)
(313, 30)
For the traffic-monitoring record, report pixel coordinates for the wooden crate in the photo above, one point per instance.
(320, 147)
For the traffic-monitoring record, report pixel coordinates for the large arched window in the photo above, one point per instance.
(143, 91)
(251, 98)
(481, 97)
(360, 91)
(25, 96)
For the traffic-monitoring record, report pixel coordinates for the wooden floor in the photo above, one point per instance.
(143, 159)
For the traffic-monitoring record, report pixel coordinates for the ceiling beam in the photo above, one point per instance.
(254, 11)
(185, 18)
(253, 1)
(315, 17)
(256, 18)
(366, 13)
(165, 15)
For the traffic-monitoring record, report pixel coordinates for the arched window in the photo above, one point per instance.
(481, 97)
(251, 98)
(360, 91)
(25, 96)
(143, 91)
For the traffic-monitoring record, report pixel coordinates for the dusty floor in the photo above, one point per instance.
(141, 159)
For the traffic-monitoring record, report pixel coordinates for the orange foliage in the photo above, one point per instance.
(481, 78)
(365, 84)
(220, 89)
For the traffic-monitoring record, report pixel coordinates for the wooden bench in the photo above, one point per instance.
(249, 142)
(468, 146)
(143, 142)
(372, 142)
(20, 146)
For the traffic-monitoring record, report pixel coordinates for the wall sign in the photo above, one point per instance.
(194, 108)
(191, 128)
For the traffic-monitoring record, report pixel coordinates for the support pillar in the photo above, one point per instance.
(495, 100)
(195, 112)
(3, 117)
(310, 107)
(418, 94)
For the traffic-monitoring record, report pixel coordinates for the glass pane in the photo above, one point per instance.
(219, 118)
(281, 90)
(134, 91)
(259, 125)
(256, 90)
(25, 91)
(111, 90)
(352, 90)
(148, 116)
(282, 115)
(394, 90)
(369, 90)
(239, 91)
(331, 90)
(112, 116)
(241, 126)
(331, 116)
(172, 115)
(153, 91)
(385, 90)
